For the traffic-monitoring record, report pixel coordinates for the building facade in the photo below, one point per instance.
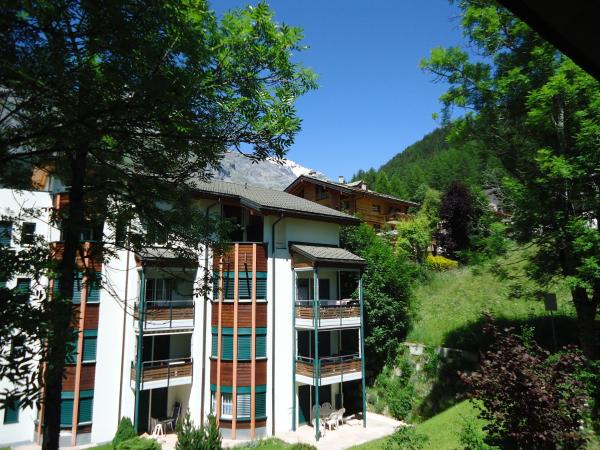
(241, 333)
(378, 210)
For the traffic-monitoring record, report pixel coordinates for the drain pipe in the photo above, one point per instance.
(204, 307)
(124, 329)
(273, 328)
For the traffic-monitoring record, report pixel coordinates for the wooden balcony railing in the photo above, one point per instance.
(165, 369)
(166, 311)
(329, 366)
(328, 309)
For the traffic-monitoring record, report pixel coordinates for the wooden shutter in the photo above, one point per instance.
(93, 289)
(215, 345)
(77, 289)
(261, 346)
(66, 411)
(244, 346)
(5, 233)
(261, 405)
(86, 404)
(226, 346)
(11, 411)
(90, 338)
(261, 285)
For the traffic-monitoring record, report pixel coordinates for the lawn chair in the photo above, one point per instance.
(331, 420)
(321, 420)
(171, 422)
(340, 416)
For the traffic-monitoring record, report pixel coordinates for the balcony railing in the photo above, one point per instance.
(163, 370)
(329, 366)
(166, 313)
(328, 310)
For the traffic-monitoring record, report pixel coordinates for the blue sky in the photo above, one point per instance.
(373, 99)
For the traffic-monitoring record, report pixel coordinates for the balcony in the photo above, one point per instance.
(330, 313)
(332, 369)
(166, 314)
(163, 373)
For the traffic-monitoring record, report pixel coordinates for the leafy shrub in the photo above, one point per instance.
(440, 263)
(432, 361)
(471, 437)
(124, 432)
(139, 443)
(406, 438)
(303, 447)
(529, 398)
(394, 386)
(189, 437)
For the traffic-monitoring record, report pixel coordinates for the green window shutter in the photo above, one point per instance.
(226, 346)
(5, 233)
(93, 292)
(228, 282)
(215, 345)
(2, 284)
(261, 346)
(261, 285)
(260, 409)
(245, 286)
(77, 289)
(71, 355)
(86, 405)
(22, 289)
(89, 347)
(66, 412)
(244, 347)
(11, 412)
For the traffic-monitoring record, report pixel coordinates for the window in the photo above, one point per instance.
(11, 411)
(28, 233)
(89, 345)
(93, 288)
(321, 193)
(91, 233)
(159, 290)
(376, 208)
(305, 289)
(260, 408)
(244, 343)
(86, 404)
(5, 233)
(345, 205)
(244, 285)
(22, 289)
(226, 406)
(213, 403)
(17, 349)
(243, 406)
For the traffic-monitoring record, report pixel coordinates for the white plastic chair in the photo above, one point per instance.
(340, 416)
(332, 421)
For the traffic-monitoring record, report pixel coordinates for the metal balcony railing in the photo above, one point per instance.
(328, 365)
(165, 369)
(165, 312)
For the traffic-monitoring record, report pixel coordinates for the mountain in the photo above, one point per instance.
(271, 173)
(433, 161)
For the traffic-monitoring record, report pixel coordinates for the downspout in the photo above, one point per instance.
(138, 363)
(273, 327)
(123, 338)
(204, 307)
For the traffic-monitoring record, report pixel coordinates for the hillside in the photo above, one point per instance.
(433, 162)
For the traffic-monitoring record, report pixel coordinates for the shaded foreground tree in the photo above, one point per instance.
(540, 114)
(529, 398)
(127, 103)
(457, 215)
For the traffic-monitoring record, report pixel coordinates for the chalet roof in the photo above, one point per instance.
(320, 254)
(349, 188)
(270, 201)
(161, 256)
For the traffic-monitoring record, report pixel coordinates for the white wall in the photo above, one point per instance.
(24, 206)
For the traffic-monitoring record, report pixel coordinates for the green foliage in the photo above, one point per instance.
(138, 443)
(190, 437)
(539, 113)
(406, 438)
(387, 286)
(472, 437)
(414, 235)
(440, 263)
(124, 432)
(394, 386)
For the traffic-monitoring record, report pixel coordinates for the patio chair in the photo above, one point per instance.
(332, 420)
(171, 422)
(340, 416)
(326, 409)
(313, 417)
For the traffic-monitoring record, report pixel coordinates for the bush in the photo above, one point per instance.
(189, 437)
(439, 263)
(394, 385)
(406, 438)
(124, 432)
(138, 443)
(471, 437)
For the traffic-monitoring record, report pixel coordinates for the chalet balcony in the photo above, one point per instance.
(331, 369)
(329, 313)
(163, 373)
(166, 314)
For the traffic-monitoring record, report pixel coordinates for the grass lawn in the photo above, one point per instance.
(449, 306)
(442, 430)
(275, 444)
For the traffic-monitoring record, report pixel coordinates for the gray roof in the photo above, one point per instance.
(152, 255)
(270, 201)
(353, 186)
(324, 254)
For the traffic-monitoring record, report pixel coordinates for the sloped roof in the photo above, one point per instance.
(270, 201)
(329, 255)
(161, 256)
(352, 187)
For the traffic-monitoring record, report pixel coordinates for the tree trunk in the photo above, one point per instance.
(61, 309)
(586, 309)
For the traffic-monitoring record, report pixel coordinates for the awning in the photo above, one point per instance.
(319, 255)
(164, 257)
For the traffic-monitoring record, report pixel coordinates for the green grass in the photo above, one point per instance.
(450, 304)
(103, 447)
(442, 430)
(275, 444)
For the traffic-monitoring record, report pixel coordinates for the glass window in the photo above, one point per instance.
(376, 208)
(28, 233)
(213, 403)
(22, 289)
(243, 406)
(321, 193)
(11, 411)
(17, 349)
(5, 233)
(226, 406)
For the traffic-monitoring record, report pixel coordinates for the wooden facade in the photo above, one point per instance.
(375, 209)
